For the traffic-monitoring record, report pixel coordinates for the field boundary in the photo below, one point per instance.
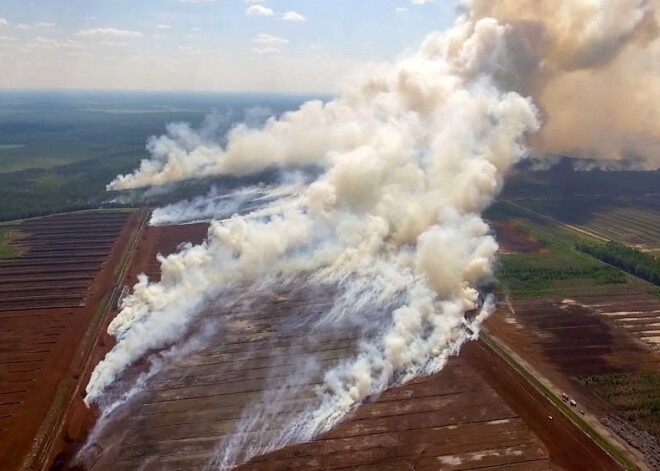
(558, 222)
(39, 457)
(532, 377)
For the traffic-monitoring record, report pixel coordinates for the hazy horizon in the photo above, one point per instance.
(289, 46)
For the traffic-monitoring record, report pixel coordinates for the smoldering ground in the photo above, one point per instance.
(412, 153)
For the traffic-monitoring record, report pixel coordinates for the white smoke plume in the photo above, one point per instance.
(591, 66)
(412, 153)
(219, 205)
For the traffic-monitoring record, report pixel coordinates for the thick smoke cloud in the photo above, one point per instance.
(412, 153)
(592, 68)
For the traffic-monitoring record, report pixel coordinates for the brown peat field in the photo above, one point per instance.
(568, 327)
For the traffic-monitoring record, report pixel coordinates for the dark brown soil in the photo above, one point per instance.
(42, 341)
(513, 239)
(588, 336)
(476, 413)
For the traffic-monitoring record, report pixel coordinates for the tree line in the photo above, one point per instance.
(630, 260)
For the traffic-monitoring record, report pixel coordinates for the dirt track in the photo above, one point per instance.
(589, 335)
(44, 320)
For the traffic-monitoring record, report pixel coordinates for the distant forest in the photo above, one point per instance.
(58, 151)
(72, 187)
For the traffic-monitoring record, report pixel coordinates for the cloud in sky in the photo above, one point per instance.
(266, 51)
(118, 33)
(269, 39)
(189, 50)
(401, 9)
(293, 16)
(422, 2)
(50, 43)
(259, 10)
(137, 51)
(113, 43)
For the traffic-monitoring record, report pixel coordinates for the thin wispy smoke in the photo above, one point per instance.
(255, 201)
(412, 153)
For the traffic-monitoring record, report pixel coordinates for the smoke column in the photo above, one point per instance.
(412, 153)
(592, 68)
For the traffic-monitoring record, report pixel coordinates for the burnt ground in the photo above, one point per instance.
(477, 413)
(574, 336)
(513, 239)
(565, 339)
(50, 297)
(453, 418)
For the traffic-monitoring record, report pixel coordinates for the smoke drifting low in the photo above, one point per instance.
(255, 201)
(412, 153)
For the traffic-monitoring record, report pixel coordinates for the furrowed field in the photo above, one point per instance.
(557, 268)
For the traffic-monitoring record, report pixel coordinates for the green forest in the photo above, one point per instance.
(633, 261)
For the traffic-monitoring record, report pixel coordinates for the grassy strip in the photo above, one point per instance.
(45, 434)
(6, 250)
(94, 325)
(129, 246)
(556, 400)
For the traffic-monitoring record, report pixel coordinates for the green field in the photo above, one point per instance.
(6, 251)
(64, 135)
(560, 270)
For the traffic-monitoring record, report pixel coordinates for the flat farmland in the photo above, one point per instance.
(568, 340)
(53, 286)
(539, 258)
(638, 315)
(452, 420)
(631, 221)
(580, 336)
(477, 413)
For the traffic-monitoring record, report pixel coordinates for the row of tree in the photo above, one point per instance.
(633, 261)
(532, 274)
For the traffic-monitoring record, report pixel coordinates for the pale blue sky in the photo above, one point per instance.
(239, 45)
